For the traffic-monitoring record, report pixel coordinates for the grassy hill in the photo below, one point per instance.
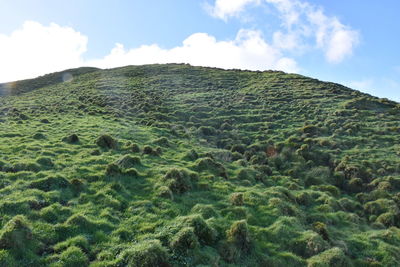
(174, 165)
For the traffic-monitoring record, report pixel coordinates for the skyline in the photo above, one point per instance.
(339, 42)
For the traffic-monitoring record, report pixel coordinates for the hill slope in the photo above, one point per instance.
(173, 165)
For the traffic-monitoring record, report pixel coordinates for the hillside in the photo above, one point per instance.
(174, 165)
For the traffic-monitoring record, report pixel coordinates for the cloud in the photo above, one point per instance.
(304, 27)
(377, 86)
(247, 51)
(35, 49)
(224, 9)
(336, 39)
(366, 85)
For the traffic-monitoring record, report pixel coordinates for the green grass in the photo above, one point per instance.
(173, 165)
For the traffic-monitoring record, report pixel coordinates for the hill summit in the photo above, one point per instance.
(174, 165)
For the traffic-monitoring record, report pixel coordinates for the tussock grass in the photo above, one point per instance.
(173, 165)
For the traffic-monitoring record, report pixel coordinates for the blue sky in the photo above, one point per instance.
(352, 42)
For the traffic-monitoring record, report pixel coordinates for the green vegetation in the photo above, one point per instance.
(173, 165)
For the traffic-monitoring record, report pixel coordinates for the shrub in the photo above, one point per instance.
(332, 257)
(388, 219)
(71, 139)
(309, 244)
(79, 220)
(304, 198)
(127, 162)
(285, 259)
(45, 162)
(165, 192)
(320, 228)
(158, 151)
(23, 166)
(239, 235)
(204, 233)
(310, 129)
(264, 169)
(208, 164)
(317, 176)
(238, 148)
(73, 256)
(207, 130)
(148, 150)
(77, 184)
(283, 207)
(331, 189)
(184, 240)
(39, 136)
(237, 199)
(55, 213)
(6, 259)
(17, 234)
(355, 185)
(147, 253)
(228, 252)
(179, 180)
(162, 141)
(236, 156)
(258, 159)
(135, 148)
(226, 126)
(113, 169)
(95, 152)
(191, 155)
(106, 141)
(241, 162)
(50, 183)
(132, 172)
(23, 116)
(80, 223)
(207, 211)
(248, 174)
(78, 241)
(349, 205)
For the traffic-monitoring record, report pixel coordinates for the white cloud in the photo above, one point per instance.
(377, 86)
(248, 51)
(36, 49)
(341, 44)
(336, 39)
(289, 10)
(304, 26)
(286, 41)
(365, 85)
(224, 9)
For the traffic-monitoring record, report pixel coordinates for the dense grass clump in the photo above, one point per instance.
(17, 235)
(146, 254)
(106, 141)
(239, 235)
(174, 165)
(73, 256)
(72, 139)
(127, 162)
(184, 240)
(179, 180)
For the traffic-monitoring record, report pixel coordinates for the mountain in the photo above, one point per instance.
(174, 165)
